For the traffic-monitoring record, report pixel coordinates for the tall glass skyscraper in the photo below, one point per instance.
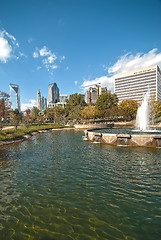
(15, 96)
(53, 93)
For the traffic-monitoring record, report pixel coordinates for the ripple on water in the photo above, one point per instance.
(58, 186)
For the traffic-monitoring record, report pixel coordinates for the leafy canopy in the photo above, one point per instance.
(74, 100)
(129, 108)
(106, 100)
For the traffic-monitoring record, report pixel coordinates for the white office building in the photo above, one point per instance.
(134, 84)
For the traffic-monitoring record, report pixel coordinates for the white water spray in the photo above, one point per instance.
(142, 117)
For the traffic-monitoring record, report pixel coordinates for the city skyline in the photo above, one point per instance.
(75, 43)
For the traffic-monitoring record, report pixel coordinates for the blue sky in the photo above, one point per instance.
(75, 43)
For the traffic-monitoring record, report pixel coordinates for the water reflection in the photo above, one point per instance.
(57, 186)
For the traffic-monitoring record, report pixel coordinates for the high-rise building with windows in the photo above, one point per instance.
(63, 98)
(93, 93)
(39, 100)
(134, 84)
(15, 96)
(53, 93)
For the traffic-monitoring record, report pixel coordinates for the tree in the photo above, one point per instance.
(158, 109)
(4, 108)
(90, 112)
(27, 118)
(56, 113)
(76, 112)
(35, 113)
(74, 100)
(129, 108)
(16, 117)
(106, 100)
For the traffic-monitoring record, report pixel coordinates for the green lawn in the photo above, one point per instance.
(9, 134)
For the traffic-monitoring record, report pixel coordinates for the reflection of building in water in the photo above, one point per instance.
(134, 84)
(15, 96)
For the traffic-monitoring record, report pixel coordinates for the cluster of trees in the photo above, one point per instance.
(106, 107)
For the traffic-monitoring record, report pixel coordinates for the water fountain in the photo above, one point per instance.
(144, 136)
(142, 118)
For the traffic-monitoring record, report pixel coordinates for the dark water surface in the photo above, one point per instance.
(57, 186)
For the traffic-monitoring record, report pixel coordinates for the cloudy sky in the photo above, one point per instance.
(75, 43)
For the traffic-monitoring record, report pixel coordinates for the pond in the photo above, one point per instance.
(57, 186)
(131, 131)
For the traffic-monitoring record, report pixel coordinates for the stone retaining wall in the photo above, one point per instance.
(93, 125)
(125, 139)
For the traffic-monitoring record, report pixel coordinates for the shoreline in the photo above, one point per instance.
(30, 135)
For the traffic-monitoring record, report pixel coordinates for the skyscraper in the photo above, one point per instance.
(15, 96)
(39, 100)
(93, 93)
(53, 93)
(63, 98)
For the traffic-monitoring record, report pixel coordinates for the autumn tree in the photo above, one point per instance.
(106, 100)
(90, 112)
(129, 108)
(27, 118)
(113, 114)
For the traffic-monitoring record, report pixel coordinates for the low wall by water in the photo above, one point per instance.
(94, 125)
(125, 139)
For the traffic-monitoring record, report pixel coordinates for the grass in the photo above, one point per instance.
(10, 134)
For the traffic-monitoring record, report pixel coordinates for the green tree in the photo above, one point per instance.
(74, 100)
(56, 114)
(16, 117)
(76, 112)
(4, 110)
(35, 113)
(106, 100)
(129, 108)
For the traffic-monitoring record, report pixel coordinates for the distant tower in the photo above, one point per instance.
(53, 93)
(45, 103)
(15, 96)
(39, 99)
(42, 103)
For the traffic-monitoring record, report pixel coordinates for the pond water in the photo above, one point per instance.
(131, 131)
(57, 186)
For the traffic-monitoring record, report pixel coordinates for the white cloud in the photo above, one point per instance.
(31, 103)
(105, 81)
(9, 47)
(30, 40)
(35, 54)
(126, 63)
(76, 83)
(48, 58)
(5, 50)
(130, 62)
